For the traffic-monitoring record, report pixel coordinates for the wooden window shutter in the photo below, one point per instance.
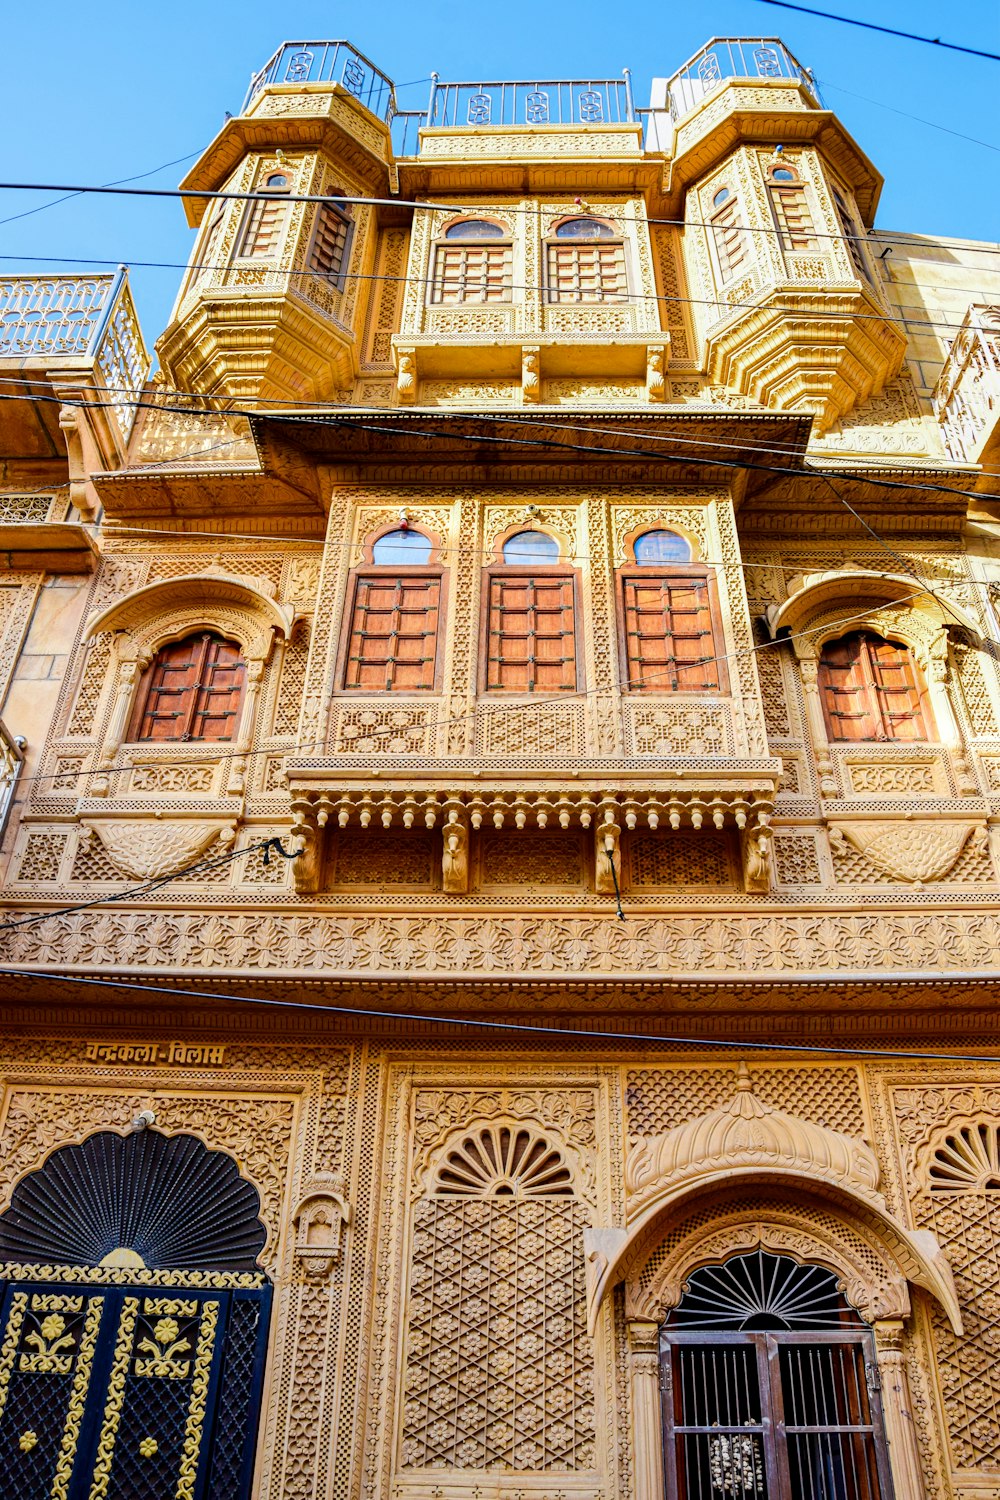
(730, 239)
(394, 632)
(263, 227)
(473, 273)
(871, 690)
(589, 272)
(669, 635)
(326, 256)
(192, 691)
(531, 634)
(792, 216)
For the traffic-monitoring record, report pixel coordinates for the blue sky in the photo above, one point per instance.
(115, 88)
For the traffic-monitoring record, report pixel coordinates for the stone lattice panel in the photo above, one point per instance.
(403, 858)
(41, 857)
(530, 729)
(657, 1099)
(394, 729)
(679, 728)
(671, 859)
(499, 1367)
(796, 859)
(292, 684)
(514, 857)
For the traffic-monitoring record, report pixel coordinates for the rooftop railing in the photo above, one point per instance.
(733, 57)
(561, 101)
(78, 318)
(328, 62)
(967, 395)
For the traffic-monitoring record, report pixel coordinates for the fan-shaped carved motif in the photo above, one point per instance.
(968, 1158)
(757, 1292)
(165, 1202)
(500, 1161)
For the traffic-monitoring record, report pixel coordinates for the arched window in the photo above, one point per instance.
(790, 208)
(872, 689)
(732, 246)
(586, 262)
(668, 610)
(472, 263)
(392, 633)
(766, 1364)
(265, 217)
(191, 690)
(531, 619)
(330, 241)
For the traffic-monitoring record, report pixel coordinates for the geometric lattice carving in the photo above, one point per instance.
(967, 1160)
(530, 729)
(796, 859)
(509, 858)
(293, 676)
(499, 1366)
(658, 1099)
(680, 859)
(383, 731)
(497, 1161)
(679, 729)
(144, 1199)
(42, 856)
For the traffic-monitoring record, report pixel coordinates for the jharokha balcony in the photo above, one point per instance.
(967, 395)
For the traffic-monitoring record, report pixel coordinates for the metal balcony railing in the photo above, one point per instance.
(967, 395)
(563, 101)
(328, 62)
(69, 319)
(734, 57)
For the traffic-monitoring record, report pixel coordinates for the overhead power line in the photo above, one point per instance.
(582, 1033)
(909, 36)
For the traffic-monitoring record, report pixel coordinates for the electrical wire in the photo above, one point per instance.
(909, 36)
(148, 887)
(434, 1018)
(838, 88)
(462, 206)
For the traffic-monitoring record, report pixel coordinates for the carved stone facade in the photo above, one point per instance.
(525, 969)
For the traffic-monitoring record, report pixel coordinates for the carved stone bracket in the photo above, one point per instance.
(321, 1215)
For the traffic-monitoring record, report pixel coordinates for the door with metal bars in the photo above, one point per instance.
(769, 1388)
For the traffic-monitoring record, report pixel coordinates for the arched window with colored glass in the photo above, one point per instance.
(667, 618)
(393, 624)
(530, 626)
(192, 690)
(472, 264)
(585, 262)
(265, 217)
(872, 689)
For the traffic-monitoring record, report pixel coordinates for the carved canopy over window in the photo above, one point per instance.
(472, 264)
(667, 618)
(586, 262)
(872, 689)
(531, 619)
(192, 690)
(393, 629)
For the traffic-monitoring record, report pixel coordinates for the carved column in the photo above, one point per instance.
(935, 665)
(647, 1430)
(901, 1436)
(809, 667)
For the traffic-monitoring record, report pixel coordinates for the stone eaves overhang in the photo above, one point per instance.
(678, 446)
(899, 497)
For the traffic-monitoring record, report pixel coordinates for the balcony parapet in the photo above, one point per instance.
(299, 63)
(607, 800)
(967, 396)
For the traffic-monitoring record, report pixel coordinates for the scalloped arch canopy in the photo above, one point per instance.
(210, 593)
(858, 586)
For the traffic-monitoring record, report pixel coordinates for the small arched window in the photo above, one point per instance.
(266, 217)
(872, 689)
(472, 264)
(661, 547)
(192, 690)
(531, 618)
(392, 634)
(330, 241)
(732, 246)
(586, 262)
(790, 207)
(668, 611)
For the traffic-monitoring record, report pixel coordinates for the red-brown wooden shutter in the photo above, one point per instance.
(394, 631)
(670, 642)
(531, 635)
(870, 689)
(193, 691)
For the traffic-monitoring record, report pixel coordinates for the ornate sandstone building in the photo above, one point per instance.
(570, 530)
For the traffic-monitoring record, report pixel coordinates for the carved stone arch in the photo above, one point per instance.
(160, 612)
(811, 1234)
(548, 1165)
(135, 1199)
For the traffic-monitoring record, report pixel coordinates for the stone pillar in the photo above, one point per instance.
(647, 1424)
(907, 1478)
(809, 667)
(946, 721)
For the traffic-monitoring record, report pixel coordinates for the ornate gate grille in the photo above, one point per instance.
(770, 1389)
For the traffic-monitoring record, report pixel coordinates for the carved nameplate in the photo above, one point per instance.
(174, 1054)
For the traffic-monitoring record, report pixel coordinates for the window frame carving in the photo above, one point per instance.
(556, 296)
(498, 569)
(440, 247)
(368, 570)
(702, 573)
